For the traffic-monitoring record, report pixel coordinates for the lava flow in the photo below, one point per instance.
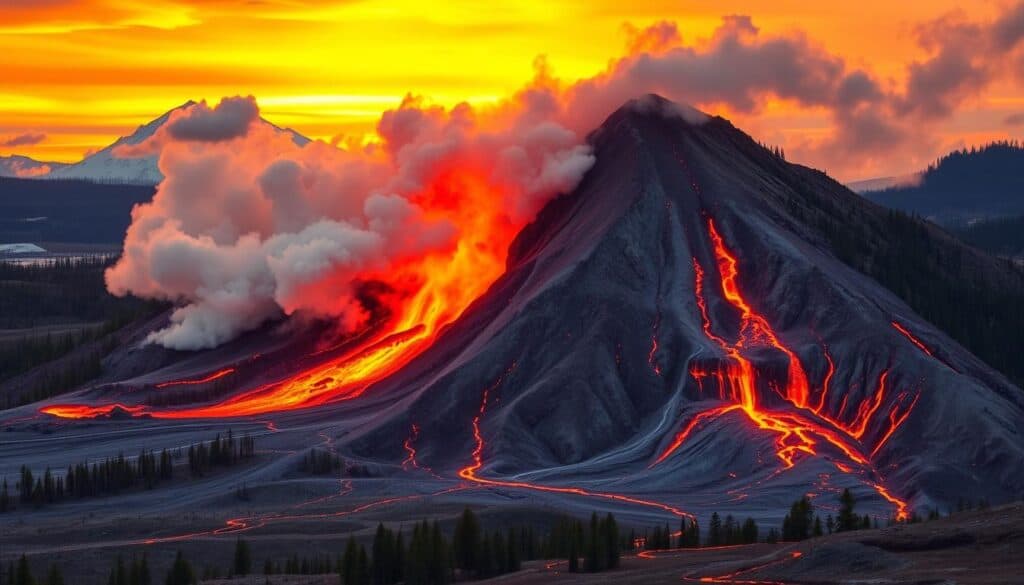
(912, 338)
(920, 344)
(194, 381)
(424, 294)
(469, 472)
(738, 383)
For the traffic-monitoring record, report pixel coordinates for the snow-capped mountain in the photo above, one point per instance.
(104, 167)
(25, 167)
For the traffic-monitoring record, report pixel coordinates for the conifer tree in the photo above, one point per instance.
(243, 558)
(23, 576)
(54, 577)
(466, 541)
(847, 519)
(715, 530)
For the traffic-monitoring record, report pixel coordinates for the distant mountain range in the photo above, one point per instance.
(962, 188)
(103, 166)
(25, 167)
(883, 183)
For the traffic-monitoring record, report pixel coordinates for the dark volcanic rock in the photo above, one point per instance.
(565, 341)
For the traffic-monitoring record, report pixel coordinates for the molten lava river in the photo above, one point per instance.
(423, 295)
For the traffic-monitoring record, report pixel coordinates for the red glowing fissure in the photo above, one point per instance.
(913, 339)
(738, 381)
(470, 472)
(191, 382)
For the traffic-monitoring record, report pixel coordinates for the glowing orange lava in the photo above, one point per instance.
(427, 293)
(738, 383)
(910, 336)
(469, 472)
(214, 376)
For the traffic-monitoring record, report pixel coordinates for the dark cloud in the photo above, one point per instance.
(1014, 119)
(230, 119)
(24, 139)
(1008, 30)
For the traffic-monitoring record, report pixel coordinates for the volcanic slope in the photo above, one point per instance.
(676, 335)
(672, 329)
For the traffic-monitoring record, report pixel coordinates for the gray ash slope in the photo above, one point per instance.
(585, 346)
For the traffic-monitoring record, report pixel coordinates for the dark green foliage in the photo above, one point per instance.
(847, 519)
(964, 184)
(71, 296)
(55, 576)
(798, 524)
(689, 536)
(749, 532)
(466, 541)
(1002, 236)
(320, 462)
(220, 452)
(715, 536)
(242, 564)
(181, 572)
(101, 478)
(23, 574)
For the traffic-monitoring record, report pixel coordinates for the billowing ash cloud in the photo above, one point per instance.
(23, 140)
(247, 226)
(229, 119)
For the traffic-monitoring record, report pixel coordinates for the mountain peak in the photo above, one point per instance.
(655, 104)
(103, 166)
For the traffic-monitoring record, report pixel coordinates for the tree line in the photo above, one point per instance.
(223, 451)
(120, 473)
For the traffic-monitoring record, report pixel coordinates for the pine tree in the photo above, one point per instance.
(513, 552)
(181, 572)
(749, 531)
(817, 526)
(798, 524)
(243, 558)
(847, 519)
(611, 548)
(54, 577)
(145, 578)
(574, 557)
(349, 563)
(23, 576)
(466, 541)
(715, 530)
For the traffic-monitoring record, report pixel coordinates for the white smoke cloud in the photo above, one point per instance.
(247, 226)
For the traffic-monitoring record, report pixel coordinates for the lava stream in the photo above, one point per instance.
(469, 472)
(738, 383)
(423, 295)
(191, 382)
(912, 338)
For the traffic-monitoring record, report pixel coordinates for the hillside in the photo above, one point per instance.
(964, 186)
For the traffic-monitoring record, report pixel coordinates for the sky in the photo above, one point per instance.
(926, 76)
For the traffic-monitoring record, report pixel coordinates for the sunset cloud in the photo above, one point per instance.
(23, 139)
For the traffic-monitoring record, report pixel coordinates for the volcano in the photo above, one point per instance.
(686, 331)
(681, 320)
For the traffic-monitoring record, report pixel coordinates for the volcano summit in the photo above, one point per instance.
(695, 326)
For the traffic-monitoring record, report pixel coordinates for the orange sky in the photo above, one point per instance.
(82, 72)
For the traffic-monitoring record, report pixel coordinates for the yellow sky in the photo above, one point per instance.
(83, 72)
